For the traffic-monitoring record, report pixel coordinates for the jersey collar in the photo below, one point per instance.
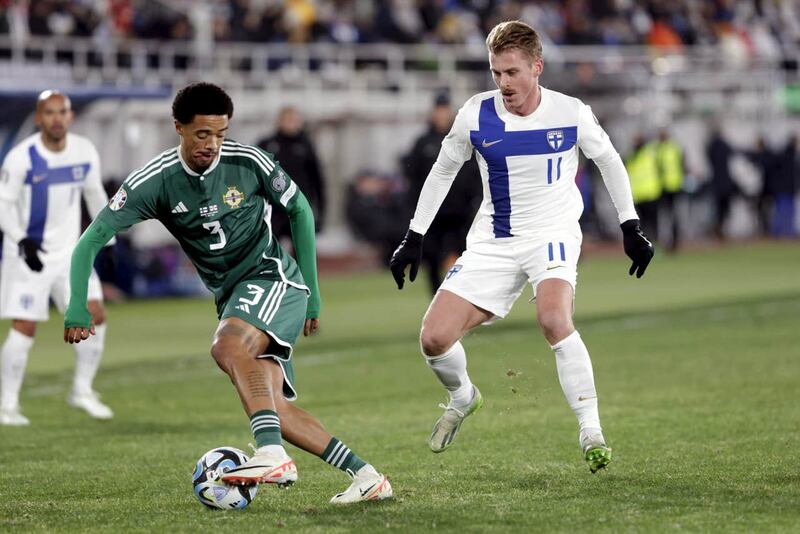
(189, 170)
(509, 118)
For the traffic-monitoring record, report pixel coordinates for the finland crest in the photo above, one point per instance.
(555, 138)
(233, 197)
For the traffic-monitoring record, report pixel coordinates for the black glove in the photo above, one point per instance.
(29, 249)
(408, 253)
(637, 247)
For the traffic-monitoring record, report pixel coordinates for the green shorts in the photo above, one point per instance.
(277, 308)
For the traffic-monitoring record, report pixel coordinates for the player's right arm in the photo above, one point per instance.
(456, 150)
(133, 202)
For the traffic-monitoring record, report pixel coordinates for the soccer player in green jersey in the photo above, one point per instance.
(216, 196)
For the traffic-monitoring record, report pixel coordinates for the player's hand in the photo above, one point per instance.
(408, 253)
(311, 327)
(637, 247)
(76, 334)
(29, 249)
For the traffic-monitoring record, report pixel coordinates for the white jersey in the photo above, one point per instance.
(528, 164)
(45, 187)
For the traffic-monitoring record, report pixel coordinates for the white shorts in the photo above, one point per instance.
(492, 275)
(25, 294)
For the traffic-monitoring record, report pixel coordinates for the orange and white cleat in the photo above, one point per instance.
(368, 485)
(265, 467)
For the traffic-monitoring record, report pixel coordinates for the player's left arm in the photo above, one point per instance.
(301, 221)
(281, 190)
(595, 143)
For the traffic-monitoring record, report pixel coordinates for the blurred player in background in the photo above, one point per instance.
(445, 239)
(215, 196)
(43, 180)
(526, 138)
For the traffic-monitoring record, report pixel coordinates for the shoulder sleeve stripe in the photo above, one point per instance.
(267, 170)
(287, 196)
(155, 162)
(139, 181)
(256, 152)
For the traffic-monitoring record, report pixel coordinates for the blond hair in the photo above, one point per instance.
(514, 34)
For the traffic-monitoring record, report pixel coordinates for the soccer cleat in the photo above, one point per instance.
(446, 427)
(264, 468)
(13, 417)
(368, 485)
(90, 403)
(595, 451)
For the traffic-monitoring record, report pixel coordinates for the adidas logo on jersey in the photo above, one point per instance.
(180, 208)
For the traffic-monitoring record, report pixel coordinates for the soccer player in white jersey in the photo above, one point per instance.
(41, 184)
(526, 230)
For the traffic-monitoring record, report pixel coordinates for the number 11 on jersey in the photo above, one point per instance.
(550, 170)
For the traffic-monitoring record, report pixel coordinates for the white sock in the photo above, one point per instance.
(87, 359)
(276, 450)
(14, 357)
(451, 370)
(577, 380)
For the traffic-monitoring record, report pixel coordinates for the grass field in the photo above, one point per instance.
(697, 367)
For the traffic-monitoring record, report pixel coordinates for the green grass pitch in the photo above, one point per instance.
(697, 368)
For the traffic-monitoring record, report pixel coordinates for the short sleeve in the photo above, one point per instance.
(457, 144)
(12, 176)
(131, 204)
(592, 139)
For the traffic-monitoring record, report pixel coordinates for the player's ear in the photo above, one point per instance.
(538, 67)
(179, 128)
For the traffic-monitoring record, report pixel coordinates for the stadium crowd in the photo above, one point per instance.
(761, 27)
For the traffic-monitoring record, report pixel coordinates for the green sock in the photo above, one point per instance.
(339, 455)
(266, 428)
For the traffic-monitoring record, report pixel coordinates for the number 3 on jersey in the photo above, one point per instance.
(215, 228)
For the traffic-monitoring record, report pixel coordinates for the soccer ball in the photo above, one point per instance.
(211, 490)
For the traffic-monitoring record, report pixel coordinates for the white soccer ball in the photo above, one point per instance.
(211, 490)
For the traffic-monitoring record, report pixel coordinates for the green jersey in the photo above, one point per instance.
(221, 218)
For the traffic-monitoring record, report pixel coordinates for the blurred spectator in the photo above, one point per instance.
(723, 187)
(376, 211)
(446, 238)
(645, 184)
(786, 182)
(766, 162)
(671, 171)
(293, 149)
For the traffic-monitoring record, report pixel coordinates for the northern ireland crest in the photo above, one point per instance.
(233, 197)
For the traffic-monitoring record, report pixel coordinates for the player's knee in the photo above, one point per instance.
(226, 350)
(555, 325)
(98, 312)
(27, 328)
(434, 341)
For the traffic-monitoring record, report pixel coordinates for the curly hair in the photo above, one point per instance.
(201, 99)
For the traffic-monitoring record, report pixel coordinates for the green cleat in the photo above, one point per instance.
(595, 451)
(446, 427)
(597, 458)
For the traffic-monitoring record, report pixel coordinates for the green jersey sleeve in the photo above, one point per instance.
(281, 191)
(135, 201)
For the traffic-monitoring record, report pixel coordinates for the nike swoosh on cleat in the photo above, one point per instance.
(484, 144)
(582, 398)
(364, 492)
